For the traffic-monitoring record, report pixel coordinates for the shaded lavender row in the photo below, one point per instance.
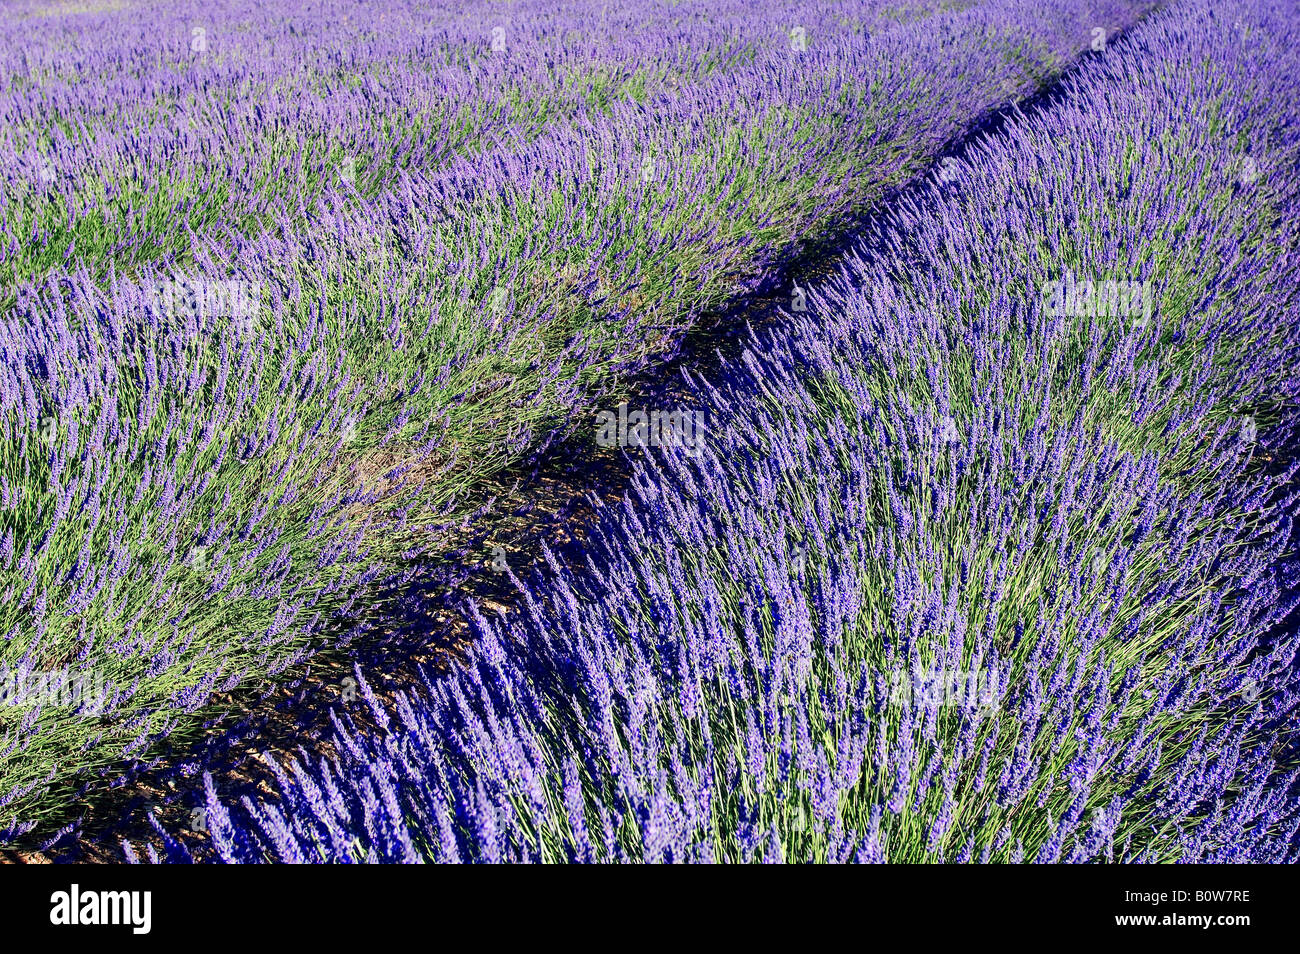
(935, 470)
(190, 504)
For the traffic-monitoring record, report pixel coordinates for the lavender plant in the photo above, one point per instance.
(980, 560)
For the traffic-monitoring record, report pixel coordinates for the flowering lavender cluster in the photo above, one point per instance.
(765, 652)
(283, 286)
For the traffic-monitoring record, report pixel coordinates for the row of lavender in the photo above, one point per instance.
(986, 556)
(210, 449)
(131, 132)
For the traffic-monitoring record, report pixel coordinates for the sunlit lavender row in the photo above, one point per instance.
(136, 133)
(988, 554)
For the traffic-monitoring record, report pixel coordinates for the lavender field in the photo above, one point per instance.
(650, 432)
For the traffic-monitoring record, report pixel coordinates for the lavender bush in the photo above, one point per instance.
(987, 555)
(283, 287)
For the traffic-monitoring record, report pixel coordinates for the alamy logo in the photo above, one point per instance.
(75, 907)
(184, 297)
(1089, 298)
(83, 692)
(682, 428)
(970, 689)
